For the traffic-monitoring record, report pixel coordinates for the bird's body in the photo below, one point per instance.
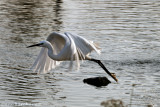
(64, 47)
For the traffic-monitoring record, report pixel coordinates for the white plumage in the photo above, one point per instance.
(65, 47)
(61, 47)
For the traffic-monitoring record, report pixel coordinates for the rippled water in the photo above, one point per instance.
(127, 31)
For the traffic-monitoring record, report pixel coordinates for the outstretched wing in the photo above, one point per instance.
(57, 40)
(43, 62)
(83, 46)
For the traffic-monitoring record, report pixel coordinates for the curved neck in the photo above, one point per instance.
(50, 52)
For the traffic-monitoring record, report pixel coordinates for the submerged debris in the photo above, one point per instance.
(113, 103)
(97, 81)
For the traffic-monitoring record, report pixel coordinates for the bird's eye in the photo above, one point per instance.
(41, 43)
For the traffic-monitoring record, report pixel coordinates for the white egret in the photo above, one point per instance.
(65, 47)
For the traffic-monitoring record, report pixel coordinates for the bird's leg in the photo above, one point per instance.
(105, 69)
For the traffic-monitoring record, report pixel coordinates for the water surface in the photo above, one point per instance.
(127, 31)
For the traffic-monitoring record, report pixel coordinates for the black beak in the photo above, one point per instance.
(34, 45)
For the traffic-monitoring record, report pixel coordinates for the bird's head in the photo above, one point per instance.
(40, 44)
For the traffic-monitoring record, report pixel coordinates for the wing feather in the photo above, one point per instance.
(57, 40)
(83, 46)
(44, 63)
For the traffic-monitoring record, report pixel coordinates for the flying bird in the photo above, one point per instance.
(65, 47)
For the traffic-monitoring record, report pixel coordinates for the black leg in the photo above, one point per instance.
(105, 69)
